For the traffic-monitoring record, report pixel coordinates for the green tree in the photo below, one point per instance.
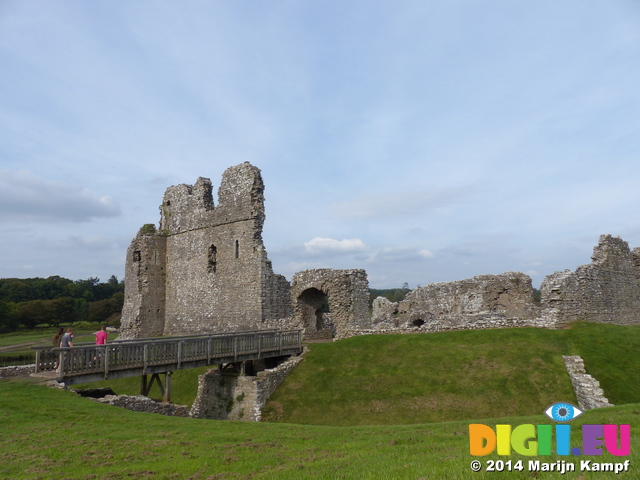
(105, 311)
(33, 313)
(8, 318)
(61, 311)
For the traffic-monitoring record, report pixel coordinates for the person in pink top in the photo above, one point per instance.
(101, 339)
(101, 336)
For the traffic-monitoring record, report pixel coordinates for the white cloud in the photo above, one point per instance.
(27, 197)
(400, 254)
(330, 246)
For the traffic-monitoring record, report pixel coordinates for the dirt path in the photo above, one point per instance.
(19, 346)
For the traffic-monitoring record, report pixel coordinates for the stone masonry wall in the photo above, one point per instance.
(604, 291)
(139, 403)
(348, 301)
(236, 397)
(587, 389)
(478, 302)
(144, 309)
(206, 269)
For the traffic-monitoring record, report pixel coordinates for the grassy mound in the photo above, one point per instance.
(404, 379)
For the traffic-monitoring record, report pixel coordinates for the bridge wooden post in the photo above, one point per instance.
(235, 347)
(143, 385)
(167, 387)
(37, 361)
(145, 359)
(165, 390)
(106, 363)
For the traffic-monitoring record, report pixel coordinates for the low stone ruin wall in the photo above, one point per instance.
(604, 291)
(587, 389)
(17, 371)
(485, 301)
(232, 397)
(139, 403)
(481, 321)
(347, 294)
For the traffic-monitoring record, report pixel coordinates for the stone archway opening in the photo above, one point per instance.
(313, 307)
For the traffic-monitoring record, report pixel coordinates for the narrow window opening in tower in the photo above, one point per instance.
(137, 256)
(237, 249)
(212, 265)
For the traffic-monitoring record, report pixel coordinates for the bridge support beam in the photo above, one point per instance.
(145, 387)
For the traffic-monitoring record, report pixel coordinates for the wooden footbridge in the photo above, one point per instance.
(84, 363)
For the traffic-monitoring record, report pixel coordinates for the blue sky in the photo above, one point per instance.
(423, 141)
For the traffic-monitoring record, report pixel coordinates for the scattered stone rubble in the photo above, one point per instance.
(139, 403)
(17, 371)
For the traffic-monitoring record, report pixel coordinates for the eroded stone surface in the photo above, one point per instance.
(605, 291)
(329, 302)
(205, 270)
(587, 389)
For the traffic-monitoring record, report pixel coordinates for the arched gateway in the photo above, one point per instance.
(328, 303)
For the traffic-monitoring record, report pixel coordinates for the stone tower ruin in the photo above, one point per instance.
(205, 269)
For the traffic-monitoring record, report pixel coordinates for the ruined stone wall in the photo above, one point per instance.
(587, 389)
(453, 305)
(211, 272)
(139, 403)
(347, 292)
(206, 270)
(276, 296)
(238, 397)
(144, 309)
(604, 291)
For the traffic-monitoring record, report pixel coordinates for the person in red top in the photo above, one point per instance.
(101, 336)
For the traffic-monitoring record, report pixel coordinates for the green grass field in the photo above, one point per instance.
(15, 347)
(53, 434)
(379, 407)
(404, 379)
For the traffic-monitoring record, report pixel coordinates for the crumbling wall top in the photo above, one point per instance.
(610, 249)
(190, 207)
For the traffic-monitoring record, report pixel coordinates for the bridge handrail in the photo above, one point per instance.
(137, 340)
(136, 353)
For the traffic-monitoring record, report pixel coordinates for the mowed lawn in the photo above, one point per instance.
(424, 378)
(51, 434)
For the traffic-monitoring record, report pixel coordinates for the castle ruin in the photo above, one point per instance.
(604, 291)
(205, 270)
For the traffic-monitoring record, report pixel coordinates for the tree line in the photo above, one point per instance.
(391, 294)
(55, 301)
